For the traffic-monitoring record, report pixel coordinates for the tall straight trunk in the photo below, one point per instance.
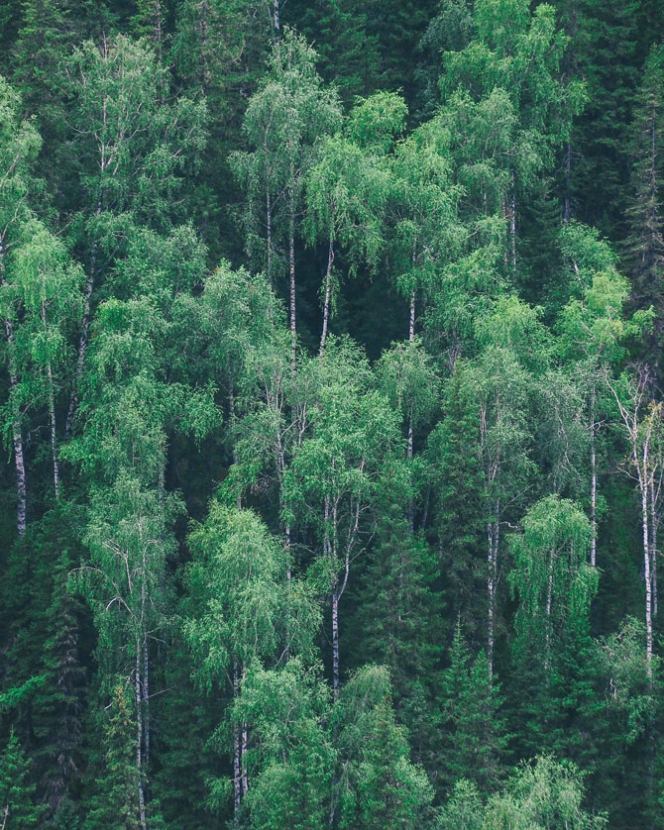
(146, 697)
(51, 415)
(513, 227)
(493, 539)
(567, 209)
(243, 750)
(85, 327)
(328, 296)
(291, 271)
(654, 523)
(139, 736)
(335, 639)
(646, 562)
(276, 16)
(237, 777)
(549, 608)
(17, 437)
(268, 230)
(593, 481)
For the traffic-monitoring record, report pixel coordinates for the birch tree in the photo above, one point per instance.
(19, 145)
(283, 122)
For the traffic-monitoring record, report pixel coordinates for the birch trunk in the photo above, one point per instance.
(593, 481)
(291, 270)
(654, 522)
(51, 415)
(17, 437)
(493, 538)
(139, 738)
(328, 297)
(335, 639)
(85, 330)
(237, 779)
(646, 559)
(549, 608)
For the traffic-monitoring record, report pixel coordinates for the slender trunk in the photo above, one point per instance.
(139, 738)
(411, 319)
(291, 269)
(549, 607)
(654, 521)
(567, 211)
(146, 697)
(243, 750)
(409, 445)
(276, 17)
(268, 226)
(646, 559)
(335, 639)
(51, 414)
(593, 481)
(237, 778)
(513, 227)
(493, 538)
(17, 437)
(328, 296)
(85, 331)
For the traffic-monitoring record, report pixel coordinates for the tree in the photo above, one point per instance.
(283, 122)
(375, 784)
(132, 147)
(19, 144)
(247, 613)
(474, 739)
(120, 799)
(291, 759)
(555, 586)
(645, 241)
(17, 808)
(348, 186)
(642, 423)
(546, 793)
(329, 485)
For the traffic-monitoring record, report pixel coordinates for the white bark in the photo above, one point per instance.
(17, 437)
(328, 297)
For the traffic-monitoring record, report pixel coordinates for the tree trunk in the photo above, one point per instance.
(335, 639)
(654, 523)
(268, 230)
(17, 437)
(411, 319)
(291, 270)
(139, 737)
(593, 481)
(567, 210)
(51, 414)
(328, 296)
(549, 608)
(85, 332)
(493, 538)
(646, 558)
(513, 227)
(237, 778)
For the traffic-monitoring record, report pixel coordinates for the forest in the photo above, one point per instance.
(332, 420)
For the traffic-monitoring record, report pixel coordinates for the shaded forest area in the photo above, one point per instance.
(330, 393)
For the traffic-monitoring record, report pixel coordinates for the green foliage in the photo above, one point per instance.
(243, 542)
(17, 807)
(116, 798)
(474, 739)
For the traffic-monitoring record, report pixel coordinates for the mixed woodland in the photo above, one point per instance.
(332, 420)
